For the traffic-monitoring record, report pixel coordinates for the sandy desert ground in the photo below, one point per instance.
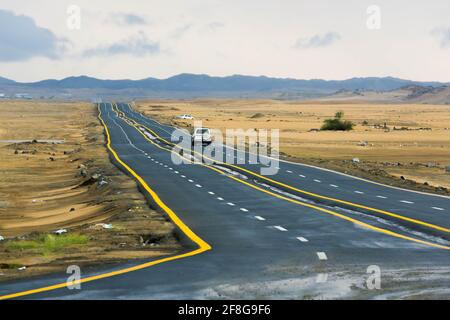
(70, 184)
(391, 140)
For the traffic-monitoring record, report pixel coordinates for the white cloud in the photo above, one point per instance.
(215, 25)
(137, 45)
(181, 30)
(318, 40)
(443, 34)
(128, 19)
(21, 39)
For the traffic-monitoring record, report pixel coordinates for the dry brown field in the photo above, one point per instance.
(46, 186)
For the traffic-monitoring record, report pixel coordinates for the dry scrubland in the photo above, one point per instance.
(418, 151)
(72, 185)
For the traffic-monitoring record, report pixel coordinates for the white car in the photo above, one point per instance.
(185, 117)
(201, 135)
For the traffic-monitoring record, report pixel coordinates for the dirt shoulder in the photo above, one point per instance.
(56, 175)
(403, 145)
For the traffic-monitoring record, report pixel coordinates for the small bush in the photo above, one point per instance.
(337, 124)
(257, 115)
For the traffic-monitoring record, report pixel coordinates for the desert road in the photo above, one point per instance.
(302, 233)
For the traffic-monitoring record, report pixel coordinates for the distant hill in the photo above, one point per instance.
(185, 81)
(439, 95)
(200, 85)
(406, 94)
(6, 81)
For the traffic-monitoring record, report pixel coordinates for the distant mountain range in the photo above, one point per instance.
(6, 81)
(200, 85)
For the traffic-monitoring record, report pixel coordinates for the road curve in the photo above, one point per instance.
(244, 239)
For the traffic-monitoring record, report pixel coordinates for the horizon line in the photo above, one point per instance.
(223, 76)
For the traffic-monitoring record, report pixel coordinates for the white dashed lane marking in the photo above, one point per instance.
(300, 175)
(219, 198)
(334, 186)
(437, 208)
(359, 192)
(183, 176)
(406, 201)
(190, 180)
(302, 239)
(288, 171)
(198, 185)
(280, 228)
(260, 218)
(322, 255)
(210, 192)
(230, 204)
(243, 209)
(317, 180)
(382, 197)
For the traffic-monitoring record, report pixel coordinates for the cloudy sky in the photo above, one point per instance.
(282, 38)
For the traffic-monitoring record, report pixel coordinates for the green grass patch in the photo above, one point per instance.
(48, 243)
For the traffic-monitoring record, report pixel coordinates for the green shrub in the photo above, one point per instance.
(337, 124)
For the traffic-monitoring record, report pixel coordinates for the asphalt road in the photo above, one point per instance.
(266, 240)
(432, 209)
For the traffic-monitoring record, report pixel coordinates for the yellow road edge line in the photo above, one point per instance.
(397, 216)
(336, 214)
(203, 245)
